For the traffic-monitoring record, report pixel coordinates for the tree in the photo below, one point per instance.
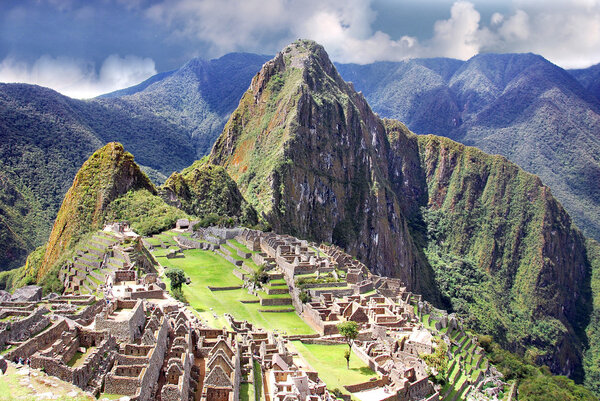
(347, 356)
(177, 277)
(437, 362)
(349, 330)
(260, 276)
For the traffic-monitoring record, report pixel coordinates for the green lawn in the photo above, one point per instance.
(329, 361)
(15, 386)
(207, 268)
(247, 392)
(258, 386)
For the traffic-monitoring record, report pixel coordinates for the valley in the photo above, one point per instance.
(465, 277)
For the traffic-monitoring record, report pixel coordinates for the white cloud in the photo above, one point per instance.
(78, 78)
(568, 34)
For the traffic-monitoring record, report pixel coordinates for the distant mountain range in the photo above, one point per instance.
(520, 106)
(304, 151)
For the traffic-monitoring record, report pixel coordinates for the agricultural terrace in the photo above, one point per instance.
(206, 268)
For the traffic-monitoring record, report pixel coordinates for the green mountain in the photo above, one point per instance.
(109, 186)
(46, 137)
(108, 174)
(168, 121)
(471, 231)
(309, 155)
(207, 191)
(518, 105)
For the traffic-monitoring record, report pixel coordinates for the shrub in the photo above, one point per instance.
(177, 277)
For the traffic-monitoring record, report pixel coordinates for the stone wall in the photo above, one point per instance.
(155, 361)
(275, 301)
(81, 375)
(148, 294)
(354, 388)
(224, 233)
(126, 330)
(87, 315)
(190, 243)
(229, 258)
(239, 274)
(41, 341)
(336, 293)
(124, 275)
(24, 328)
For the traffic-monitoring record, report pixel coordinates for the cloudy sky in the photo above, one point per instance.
(85, 48)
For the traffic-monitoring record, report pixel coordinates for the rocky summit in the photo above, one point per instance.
(309, 154)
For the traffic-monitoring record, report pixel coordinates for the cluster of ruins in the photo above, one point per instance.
(127, 336)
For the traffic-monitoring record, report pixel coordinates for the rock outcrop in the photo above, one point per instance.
(309, 154)
(307, 151)
(29, 293)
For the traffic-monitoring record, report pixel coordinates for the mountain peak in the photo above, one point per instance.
(109, 173)
(309, 154)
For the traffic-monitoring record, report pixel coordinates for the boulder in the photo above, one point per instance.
(4, 296)
(30, 293)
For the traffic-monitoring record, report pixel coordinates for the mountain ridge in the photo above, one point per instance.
(299, 145)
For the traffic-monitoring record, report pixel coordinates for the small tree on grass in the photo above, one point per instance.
(260, 276)
(349, 330)
(347, 356)
(177, 277)
(304, 296)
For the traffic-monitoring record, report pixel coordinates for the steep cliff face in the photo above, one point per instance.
(469, 230)
(532, 258)
(108, 174)
(204, 189)
(308, 153)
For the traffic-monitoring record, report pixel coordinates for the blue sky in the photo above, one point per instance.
(85, 48)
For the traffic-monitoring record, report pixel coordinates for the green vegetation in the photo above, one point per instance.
(591, 359)
(349, 330)
(176, 278)
(206, 268)
(109, 173)
(25, 221)
(326, 360)
(437, 362)
(146, 213)
(207, 191)
(534, 383)
(486, 242)
(258, 385)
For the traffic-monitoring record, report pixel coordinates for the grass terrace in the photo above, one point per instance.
(79, 357)
(329, 361)
(207, 268)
